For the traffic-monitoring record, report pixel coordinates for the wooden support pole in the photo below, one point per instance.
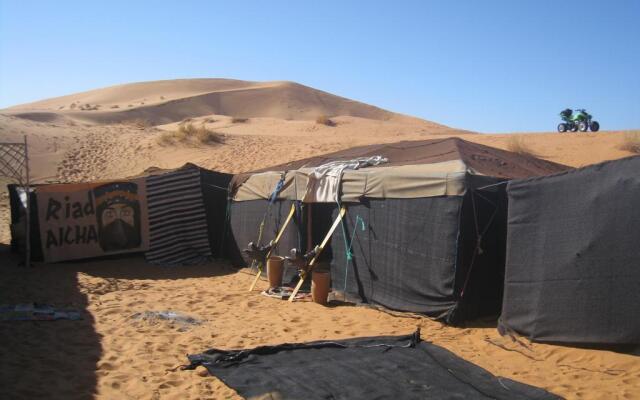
(304, 274)
(273, 245)
(28, 205)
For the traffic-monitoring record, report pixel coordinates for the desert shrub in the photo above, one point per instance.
(239, 120)
(116, 106)
(167, 138)
(324, 120)
(161, 97)
(139, 123)
(210, 121)
(187, 129)
(72, 106)
(191, 134)
(517, 144)
(631, 142)
(206, 136)
(89, 107)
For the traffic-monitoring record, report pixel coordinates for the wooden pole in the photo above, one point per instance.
(273, 245)
(304, 274)
(309, 230)
(28, 206)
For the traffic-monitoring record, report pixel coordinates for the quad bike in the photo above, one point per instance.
(581, 121)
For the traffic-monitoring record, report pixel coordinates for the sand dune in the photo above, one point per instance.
(110, 355)
(163, 102)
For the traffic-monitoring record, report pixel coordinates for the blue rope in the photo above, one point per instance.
(353, 234)
(348, 252)
(277, 190)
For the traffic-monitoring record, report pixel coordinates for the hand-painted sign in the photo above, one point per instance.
(92, 219)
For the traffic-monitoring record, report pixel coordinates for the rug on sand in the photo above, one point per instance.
(402, 367)
(37, 312)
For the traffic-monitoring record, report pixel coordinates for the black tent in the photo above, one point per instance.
(187, 213)
(17, 203)
(433, 214)
(573, 255)
(178, 200)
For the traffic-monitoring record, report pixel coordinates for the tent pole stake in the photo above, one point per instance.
(303, 276)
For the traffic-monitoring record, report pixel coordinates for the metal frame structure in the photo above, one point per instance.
(14, 164)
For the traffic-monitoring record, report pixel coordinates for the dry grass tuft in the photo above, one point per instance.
(190, 134)
(139, 123)
(166, 138)
(89, 107)
(324, 120)
(518, 145)
(239, 120)
(631, 143)
(206, 136)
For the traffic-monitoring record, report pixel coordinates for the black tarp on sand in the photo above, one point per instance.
(402, 367)
(573, 256)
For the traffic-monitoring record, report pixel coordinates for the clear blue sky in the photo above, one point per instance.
(489, 66)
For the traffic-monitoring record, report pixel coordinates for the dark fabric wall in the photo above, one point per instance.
(178, 223)
(481, 253)
(405, 259)
(214, 193)
(573, 256)
(245, 219)
(18, 212)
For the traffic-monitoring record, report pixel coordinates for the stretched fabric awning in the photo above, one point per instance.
(401, 182)
(414, 169)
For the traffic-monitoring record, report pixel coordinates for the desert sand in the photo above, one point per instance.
(110, 354)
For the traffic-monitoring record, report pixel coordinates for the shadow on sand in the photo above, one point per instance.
(59, 359)
(46, 359)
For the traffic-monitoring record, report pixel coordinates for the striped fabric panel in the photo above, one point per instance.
(177, 222)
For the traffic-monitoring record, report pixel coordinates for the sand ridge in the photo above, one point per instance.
(163, 102)
(111, 355)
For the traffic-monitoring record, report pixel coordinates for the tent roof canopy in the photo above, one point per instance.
(481, 159)
(440, 163)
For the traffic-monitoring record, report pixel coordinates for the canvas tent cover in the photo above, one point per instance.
(415, 169)
(413, 224)
(573, 255)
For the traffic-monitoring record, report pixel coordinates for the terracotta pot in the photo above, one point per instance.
(275, 269)
(320, 284)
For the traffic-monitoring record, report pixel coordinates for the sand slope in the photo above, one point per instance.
(111, 355)
(163, 102)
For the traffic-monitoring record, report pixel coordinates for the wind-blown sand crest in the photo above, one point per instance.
(110, 354)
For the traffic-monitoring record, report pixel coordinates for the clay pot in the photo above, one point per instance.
(320, 285)
(275, 269)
